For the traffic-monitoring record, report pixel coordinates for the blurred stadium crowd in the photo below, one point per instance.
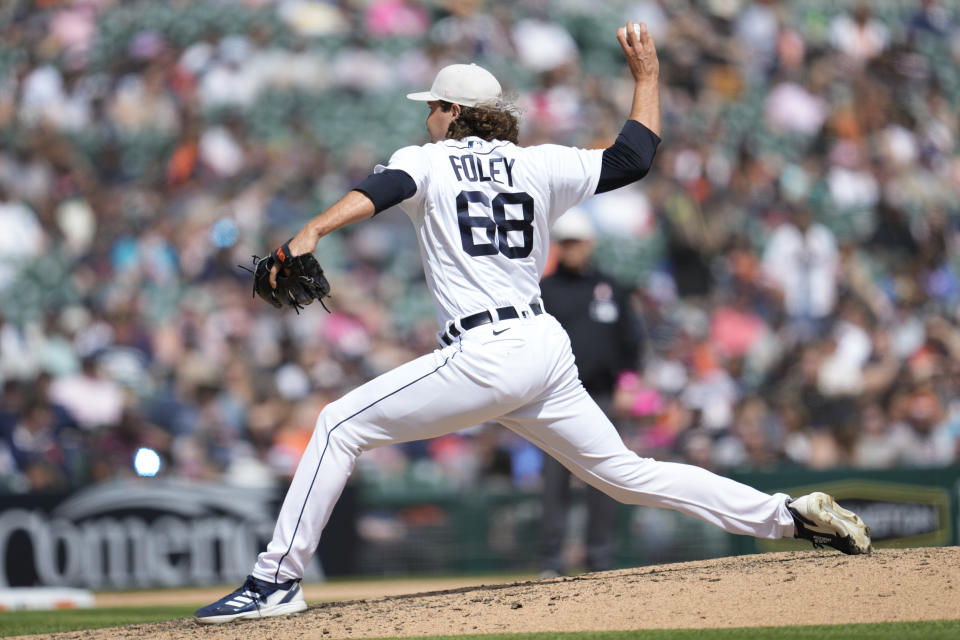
(795, 253)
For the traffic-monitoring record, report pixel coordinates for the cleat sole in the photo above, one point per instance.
(844, 520)
(278, 610)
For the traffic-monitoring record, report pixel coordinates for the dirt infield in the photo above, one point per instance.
(339, 590)
(795, 588)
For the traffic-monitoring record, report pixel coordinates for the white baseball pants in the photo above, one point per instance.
(520, 373)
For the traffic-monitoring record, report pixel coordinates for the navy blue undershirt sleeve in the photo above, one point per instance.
(387, 188)
(629, 158)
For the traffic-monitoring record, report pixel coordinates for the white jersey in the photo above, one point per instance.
(483, 212)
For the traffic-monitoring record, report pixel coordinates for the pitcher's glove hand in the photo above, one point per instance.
(300, 279)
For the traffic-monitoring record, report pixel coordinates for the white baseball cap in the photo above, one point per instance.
(463, 84)
(575, 224)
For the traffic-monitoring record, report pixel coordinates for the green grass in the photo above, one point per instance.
(19, 623)
(14, 623)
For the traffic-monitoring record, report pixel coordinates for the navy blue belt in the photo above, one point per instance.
(484, 317)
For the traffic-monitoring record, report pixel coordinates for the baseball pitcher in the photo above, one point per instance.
(482, 208)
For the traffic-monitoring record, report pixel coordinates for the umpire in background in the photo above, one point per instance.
(605, 336)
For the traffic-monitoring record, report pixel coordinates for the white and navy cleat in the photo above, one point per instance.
(254, 599)
(823, 522)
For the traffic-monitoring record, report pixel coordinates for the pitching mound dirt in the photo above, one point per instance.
(760, 590)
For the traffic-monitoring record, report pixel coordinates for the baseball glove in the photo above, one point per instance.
(300, 279)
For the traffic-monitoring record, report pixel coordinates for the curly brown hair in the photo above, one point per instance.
(496, 122)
